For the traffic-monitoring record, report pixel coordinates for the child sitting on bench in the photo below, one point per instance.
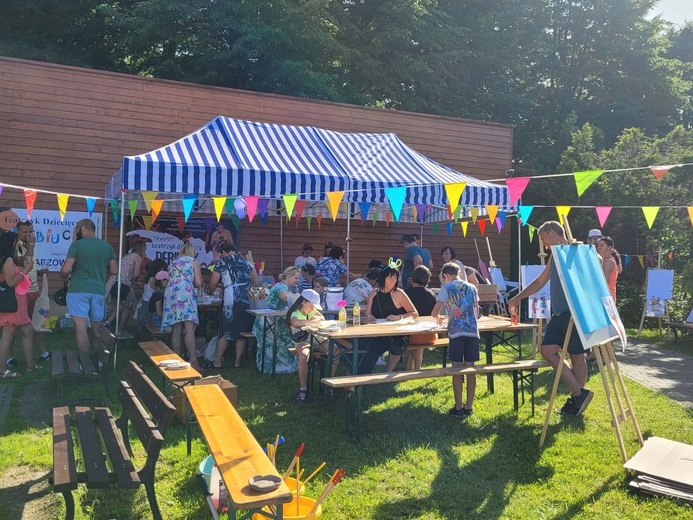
(461, 302)
(304, 313)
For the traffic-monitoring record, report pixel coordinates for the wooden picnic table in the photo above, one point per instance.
(236, 452)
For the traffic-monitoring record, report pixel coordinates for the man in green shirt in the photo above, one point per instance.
(90, 260)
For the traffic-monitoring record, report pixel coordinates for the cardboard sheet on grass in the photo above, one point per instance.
(663, 468)
(180, 401)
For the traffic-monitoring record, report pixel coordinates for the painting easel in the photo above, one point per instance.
(614, 390)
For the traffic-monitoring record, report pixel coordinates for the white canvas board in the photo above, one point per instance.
(591, 305)
(660, 287)
(496, 276)
(539, 304)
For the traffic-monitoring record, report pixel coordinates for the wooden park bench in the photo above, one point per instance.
(236, 453)
(103, 457)
(522, 374)
(69, 364)
(676, 325)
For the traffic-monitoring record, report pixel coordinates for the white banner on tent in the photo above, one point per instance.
(54, 236)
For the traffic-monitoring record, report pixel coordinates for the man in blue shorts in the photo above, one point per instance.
(90, 261)
(575, 376)
(461, 302)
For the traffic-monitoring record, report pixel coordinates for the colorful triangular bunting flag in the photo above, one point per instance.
(289, 202)
(62, 204)
(602, 214)
(650, 214)
(219, 203)
(516, 188)
(454, 192)
(396, 198)
(584, 180)
(251, 202)
(333, 200)
(525, 212)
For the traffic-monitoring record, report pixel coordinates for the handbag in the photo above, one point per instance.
(8, 298)
(300, 336)
(60, 296)
(42, 309)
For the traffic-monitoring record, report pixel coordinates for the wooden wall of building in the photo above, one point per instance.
(66, 129)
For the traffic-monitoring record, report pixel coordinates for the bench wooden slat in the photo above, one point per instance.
(94, 464)
(72, 362)
(440, 342)
(160, 408)
(57, 364)
(121, 463)
(409, 375)
(87, 365)
(139, 418)
(64, 466)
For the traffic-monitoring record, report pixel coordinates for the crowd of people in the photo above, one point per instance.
(392, 291)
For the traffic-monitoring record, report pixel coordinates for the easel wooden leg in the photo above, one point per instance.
(607, 359)
(556, 380)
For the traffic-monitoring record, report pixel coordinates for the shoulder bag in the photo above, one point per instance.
(8, 298)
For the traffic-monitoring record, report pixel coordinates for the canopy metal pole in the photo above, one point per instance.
(519, 251)
(281, 240)
(348, 240)
(120, 263)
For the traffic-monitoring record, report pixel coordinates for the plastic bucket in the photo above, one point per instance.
(291, 482)
(205, 469)
(333, 295)
(305, 504)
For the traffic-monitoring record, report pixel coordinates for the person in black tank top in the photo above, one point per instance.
(388, 302)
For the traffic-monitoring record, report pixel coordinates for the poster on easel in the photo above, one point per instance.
(539, 304)
(660, 288)
(497, 278)
(593, 308)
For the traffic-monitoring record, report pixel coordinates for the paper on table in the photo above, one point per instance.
(405, 321)
(417, 327)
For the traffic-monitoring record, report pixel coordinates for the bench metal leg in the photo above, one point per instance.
(69, 505)
(147, 477)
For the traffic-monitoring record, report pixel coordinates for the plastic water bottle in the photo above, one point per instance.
(342, 317)
(357, 314)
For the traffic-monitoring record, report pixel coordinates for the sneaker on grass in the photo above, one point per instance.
(462, 413)
(580, 402)
(567, 406)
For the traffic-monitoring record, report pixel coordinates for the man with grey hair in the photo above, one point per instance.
(575, 376)
(89, 261)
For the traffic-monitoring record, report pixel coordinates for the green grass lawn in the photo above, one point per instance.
(414, 460)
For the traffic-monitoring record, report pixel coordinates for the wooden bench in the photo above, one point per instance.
(104, 452)
(250, 337)
(77, 364)
(236, 452)
(439, 343)
(675, 326)
(156, 332)
(522, 373)
(157, 351)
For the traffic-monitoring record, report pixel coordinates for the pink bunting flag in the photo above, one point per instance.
(516, 188)
(603, 214)
(251, 205)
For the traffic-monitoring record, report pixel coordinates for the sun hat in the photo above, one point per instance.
(161, 275)
(313, 297)
(594, 233)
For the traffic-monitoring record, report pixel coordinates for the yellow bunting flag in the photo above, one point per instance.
(156, 208)
(333, 200)
(148, 197)
(641, 260)
(464, 226)
(415, 213)
(475, 214)
(454, 192)
(562, 212)
(584, 180)
(531, 230)
(219, 204)
(147, 221)
(690, 214)
(62, 204)
(492, 212)
(289, 202)
(650, 214)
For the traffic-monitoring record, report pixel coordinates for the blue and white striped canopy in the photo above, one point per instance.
(231, 157)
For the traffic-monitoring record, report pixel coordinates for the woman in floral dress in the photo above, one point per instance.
(279, 297)
(180, 305)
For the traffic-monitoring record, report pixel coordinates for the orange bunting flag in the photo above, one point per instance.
(62, 204)
(388, 218)
(474, 212)
(659, 171)
(30, 198)
(156, 209)
(650, 214)
(147, 221)
(333, 200)
(482, 227)
(219, 204)
(464, 226)
(670, 256)
(148, 197)
(318, 217)
(562, 212)
(690, 214)
(492, 212)
(299, 208)
(584, 180)
(181, 223)
(454, 192)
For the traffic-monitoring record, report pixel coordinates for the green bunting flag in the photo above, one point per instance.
(584, 180)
